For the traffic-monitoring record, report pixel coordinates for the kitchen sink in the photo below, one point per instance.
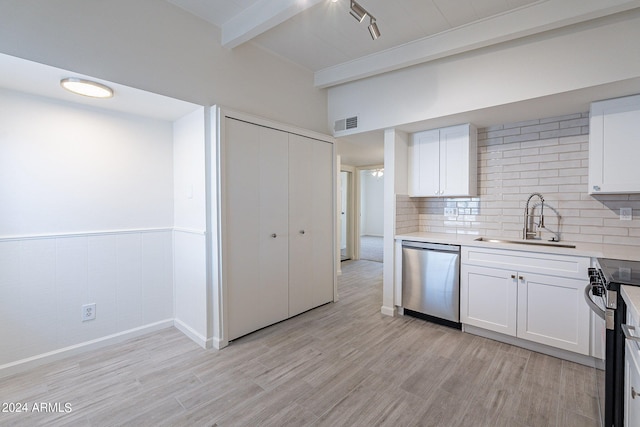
(525, 242)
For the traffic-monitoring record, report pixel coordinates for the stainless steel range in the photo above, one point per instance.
(604, 298)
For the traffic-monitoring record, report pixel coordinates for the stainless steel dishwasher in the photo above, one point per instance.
(431, 282)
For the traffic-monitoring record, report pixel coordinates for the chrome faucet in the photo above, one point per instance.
(529, 221)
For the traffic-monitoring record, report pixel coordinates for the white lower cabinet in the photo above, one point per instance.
(506, 292)
(488, 299)
(632, 385)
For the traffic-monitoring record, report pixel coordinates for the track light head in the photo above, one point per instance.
(357, 11)
(373, 28)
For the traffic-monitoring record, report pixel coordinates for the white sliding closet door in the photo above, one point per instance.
(310, 223)
(256, 234)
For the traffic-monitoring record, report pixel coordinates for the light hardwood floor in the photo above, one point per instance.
(342, 364)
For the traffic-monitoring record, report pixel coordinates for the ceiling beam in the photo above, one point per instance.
(259, 18)
(525, 21)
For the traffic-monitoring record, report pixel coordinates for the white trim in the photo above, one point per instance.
(261, 121)
(85, 233)
(259, 18)
(189, 231)
(388, 311)
(535, 18)
(192, 334)
(219, 344)
(52, 356)
(533, 346)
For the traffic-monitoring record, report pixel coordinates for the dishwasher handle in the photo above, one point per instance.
(441, 247)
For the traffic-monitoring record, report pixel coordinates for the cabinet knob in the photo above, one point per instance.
(301, 231)
(596, 188)
(634, 393)
(520, 277)
(513, 276)
(274, 235)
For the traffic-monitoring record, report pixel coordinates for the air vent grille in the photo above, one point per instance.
(346, 124)
(352, 122)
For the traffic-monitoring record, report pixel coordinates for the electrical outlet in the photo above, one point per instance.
(450, 211)
(626, 214)
(88, 312)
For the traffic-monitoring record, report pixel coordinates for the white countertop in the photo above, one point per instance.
(592, 250)
(631, 296)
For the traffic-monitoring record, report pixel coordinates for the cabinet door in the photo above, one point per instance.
(632, 385)
(424, 166)
(488, 298)
(454, 162)
(614, 146)
(552, 311)
(311, 260)
(256, 210)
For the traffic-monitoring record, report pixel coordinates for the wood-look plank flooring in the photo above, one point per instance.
(343, 364)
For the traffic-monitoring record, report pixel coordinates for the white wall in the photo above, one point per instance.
(86, 210)
(371, 204)
(66, 169)
(190, 275)
(574, 58)
(156, 46)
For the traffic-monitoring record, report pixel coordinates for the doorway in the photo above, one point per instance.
(346, 215)
(371, 224)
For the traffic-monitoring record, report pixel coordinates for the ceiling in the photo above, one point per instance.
(321, 36)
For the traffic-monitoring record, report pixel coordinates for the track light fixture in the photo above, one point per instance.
(360, 13)
(357, 11)
(373, 28)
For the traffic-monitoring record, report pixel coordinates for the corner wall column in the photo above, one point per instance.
(396, 145)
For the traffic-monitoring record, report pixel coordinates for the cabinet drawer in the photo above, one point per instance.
(522, 261)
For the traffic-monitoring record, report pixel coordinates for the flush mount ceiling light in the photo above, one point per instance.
(357, 11)
(86, 88)
(360, 13)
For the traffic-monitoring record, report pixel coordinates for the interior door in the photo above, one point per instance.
(256, 233)
(311, 209)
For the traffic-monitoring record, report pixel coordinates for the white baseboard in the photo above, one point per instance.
(582, 359)
(52, 356)
(219, 344)
(388, 311)
(193, 334)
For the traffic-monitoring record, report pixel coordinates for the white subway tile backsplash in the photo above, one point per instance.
(549, 156)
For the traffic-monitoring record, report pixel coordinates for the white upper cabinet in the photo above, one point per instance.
(614, 146)
(443, 162)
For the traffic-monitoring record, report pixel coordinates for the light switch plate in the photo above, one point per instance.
(626, 214)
